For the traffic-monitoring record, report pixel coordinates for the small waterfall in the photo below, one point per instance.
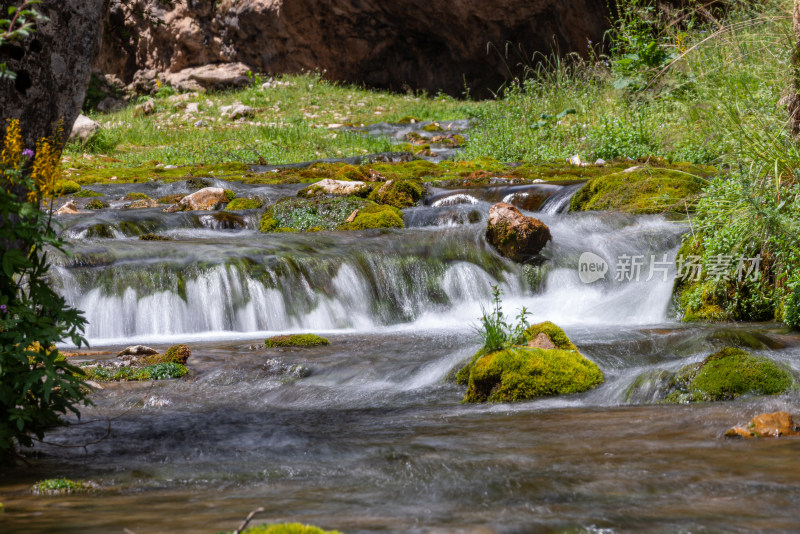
(559, 202)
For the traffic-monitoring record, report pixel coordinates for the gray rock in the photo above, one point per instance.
(83, 129)
(137, 350)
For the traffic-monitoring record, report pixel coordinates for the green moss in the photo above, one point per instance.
(433, 127)
(517, 374)
(229, 194)
(399, 193)
(59, 486)
(646, 189)
(135, 196)
(108, 171)
(375, 216)
(288, 528)
(66, 187)
(170, 199)
(295, 340)
(86, 193)
(556, 335)
(314, 214)
(407, 119)
(727, 374)
(351, 172)
(175, 354)
(154, 237)
(95, 205)
(99, 230)
(239, 204)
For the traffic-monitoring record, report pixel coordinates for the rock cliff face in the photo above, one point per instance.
(52, 66)
(410, 43)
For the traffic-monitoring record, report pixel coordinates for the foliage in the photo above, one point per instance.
(792, 313)
(296, 340)
(157, 371)
(36, 386)
(495, 332)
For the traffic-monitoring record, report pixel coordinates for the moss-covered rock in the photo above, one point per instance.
(288, 528)
(175, 354)
(135, 196)
(640, 189)
(171, 199)
(154, 237)
(519, 373)
(158, 371)
(295, 340)
(555, 333)
(238, 204)
(66, 187)
(314, 214)
(95, 204)
(62, 486)
(399, 193)
(230, 194)
(374, 216)
(723, 375)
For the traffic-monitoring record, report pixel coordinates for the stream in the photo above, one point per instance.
(375, 439)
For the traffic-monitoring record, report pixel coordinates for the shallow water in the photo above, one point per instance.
(376, 439)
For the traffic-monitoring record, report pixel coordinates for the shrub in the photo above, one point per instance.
(36, 386)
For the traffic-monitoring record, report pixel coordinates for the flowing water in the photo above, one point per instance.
(375, 438)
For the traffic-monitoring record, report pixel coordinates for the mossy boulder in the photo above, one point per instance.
(154, 237)
(239, 204)
(95, 204)
(296, 340)
(640, 189)
(515, 236)
(87, 193)
(62, 486)
(135, 196)
(314, 214)
(288, 528)
(723, 375)
(66, 187)
(335, 187)
(522, 372)
(175, 354)
(399, 193)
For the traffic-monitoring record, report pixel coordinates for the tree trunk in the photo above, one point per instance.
(793, 105)
(53, 66)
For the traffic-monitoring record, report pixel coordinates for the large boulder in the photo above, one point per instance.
(529, 370)
(52, 68)
(83, 129)
(210, 77)
(205, 199)
(514, 235)
(383, 44)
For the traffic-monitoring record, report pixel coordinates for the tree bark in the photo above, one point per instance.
(53, 66)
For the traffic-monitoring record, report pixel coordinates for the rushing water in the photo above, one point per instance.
(375, 439)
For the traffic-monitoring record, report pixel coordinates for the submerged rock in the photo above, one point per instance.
(67, 209)
(514, 235)
(296, 340)
(137, 350)
(328, 213)
(766, 425)
(205, 199)
(525, 372)
(142, 204)
(63, 486)
(399, 193)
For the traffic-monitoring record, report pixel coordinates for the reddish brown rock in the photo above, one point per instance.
(205, 199)
(382, 44)
(766, 425)
(542, 341)
(514, 235)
